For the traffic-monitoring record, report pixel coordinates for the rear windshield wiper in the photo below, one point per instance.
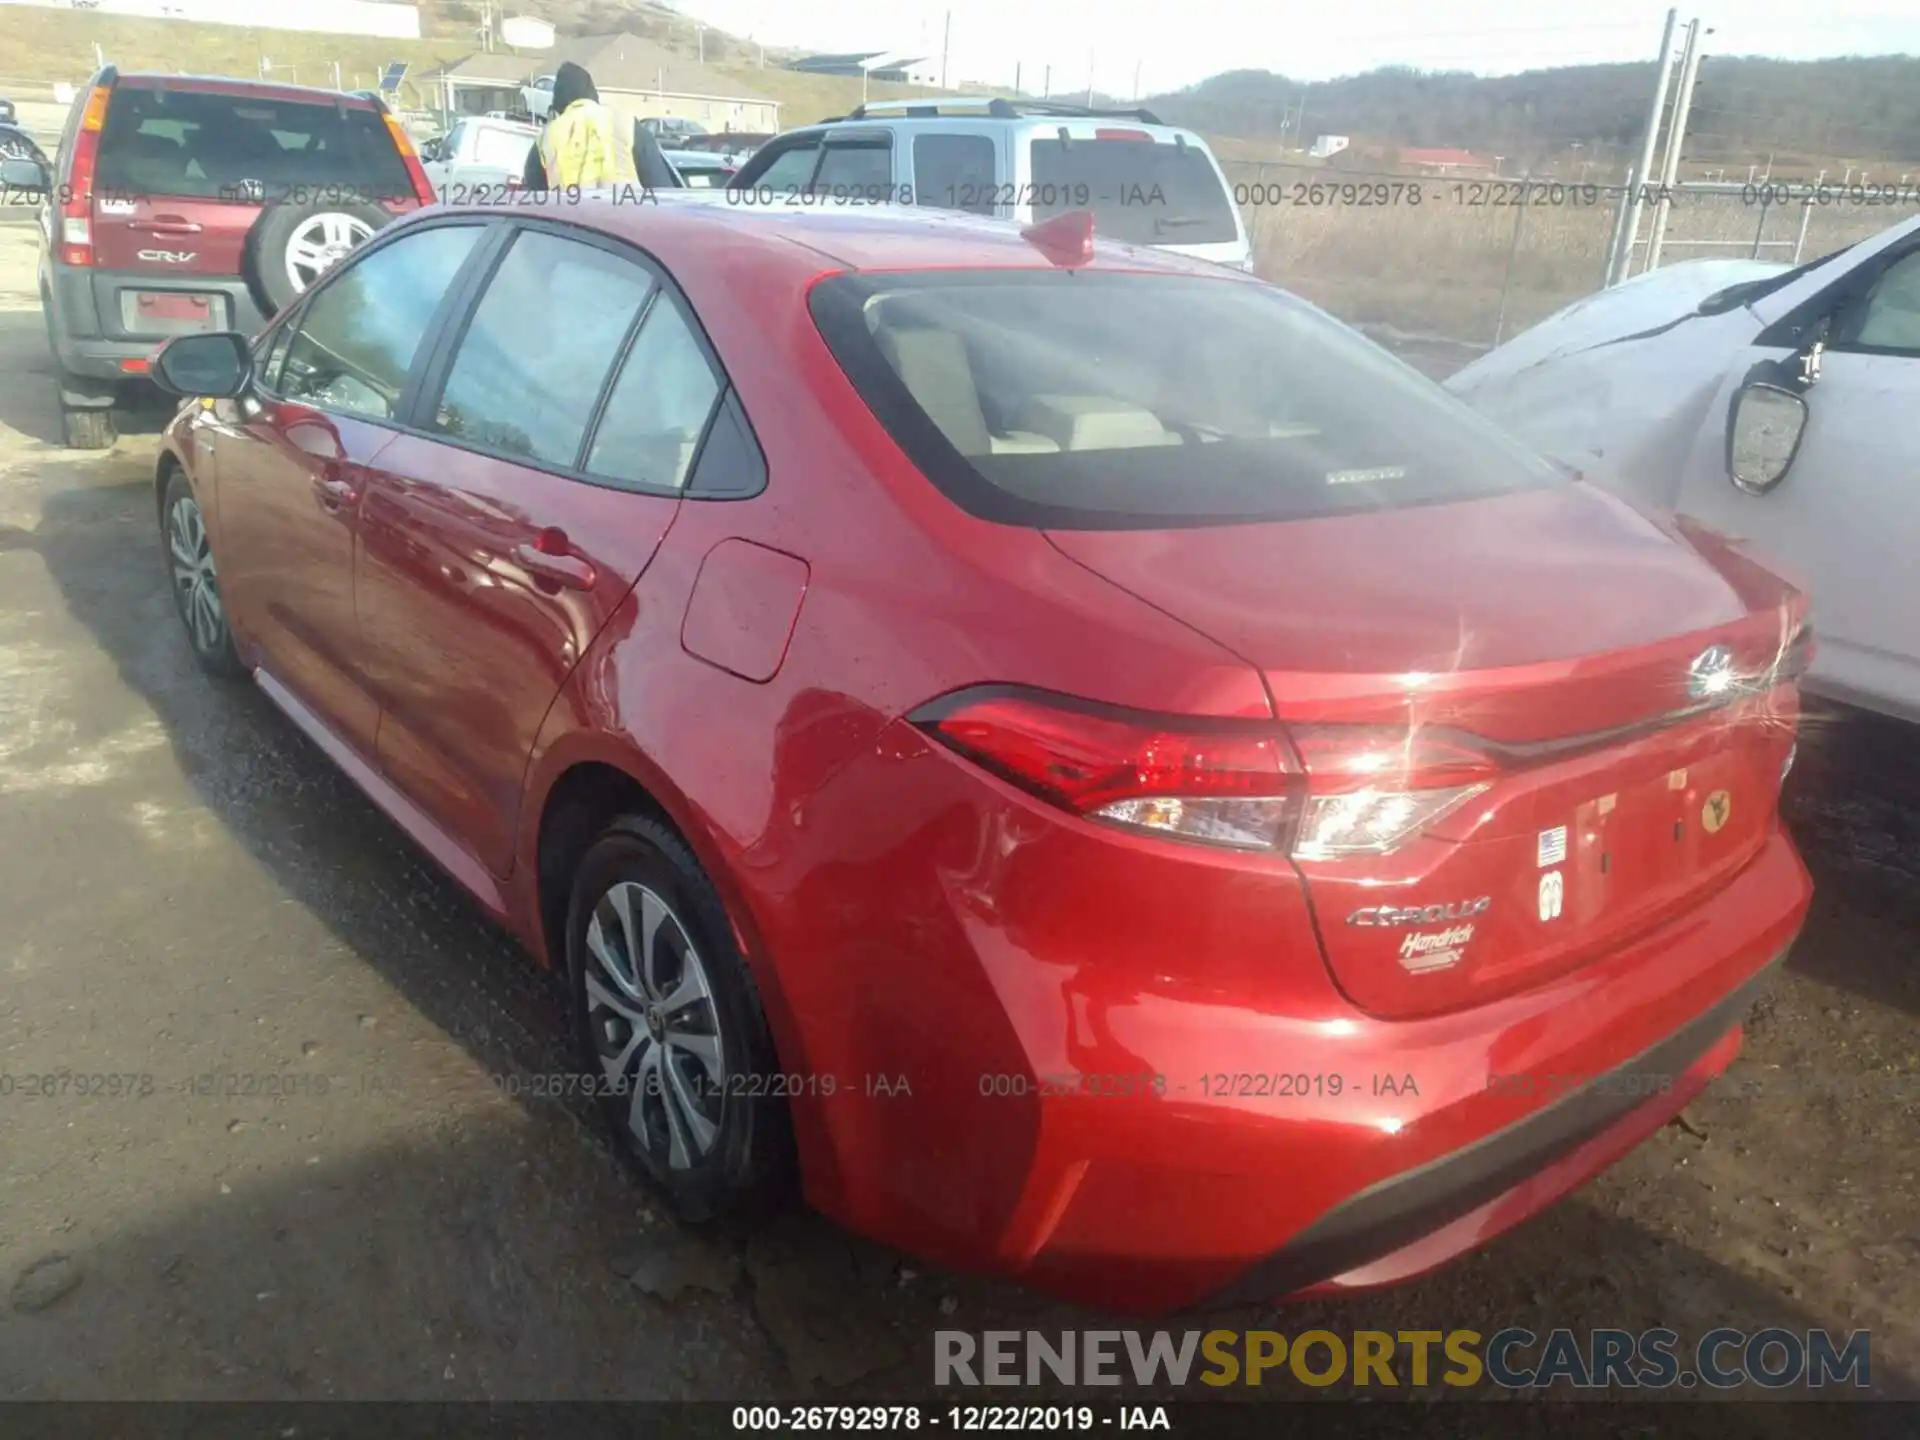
(1176, 222)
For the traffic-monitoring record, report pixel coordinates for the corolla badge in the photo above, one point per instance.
(1399, 915)
(1711, 672)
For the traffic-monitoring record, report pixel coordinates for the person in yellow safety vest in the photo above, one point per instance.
(583, 143)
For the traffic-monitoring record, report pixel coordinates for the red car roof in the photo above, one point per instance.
(682, 232)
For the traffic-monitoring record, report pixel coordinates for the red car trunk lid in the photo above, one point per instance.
(1573, 640)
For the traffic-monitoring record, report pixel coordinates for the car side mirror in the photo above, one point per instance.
(20, 172)
(1763, 436)
(219, 365)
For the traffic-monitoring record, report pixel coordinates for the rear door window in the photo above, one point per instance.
(361, 330)
(502, 149)
(195, 145)
(857, 172)
(955, 172)
(659, 406)
(530, 367)
(788, 171)
(1142, 191)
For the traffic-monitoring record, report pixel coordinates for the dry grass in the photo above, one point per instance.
(44, 46)
(1440, 266)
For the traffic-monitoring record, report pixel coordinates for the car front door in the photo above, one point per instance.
(549, 448)
(295, 462)
(1844, 514)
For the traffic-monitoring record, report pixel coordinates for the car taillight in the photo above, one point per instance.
(1371, 789)
(76, 208)
(1223, 786)
(416, 174)
(1104, 134)
(1322, 792)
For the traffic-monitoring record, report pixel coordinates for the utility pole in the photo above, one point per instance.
(1016, 77)
(1090, 59)
(1622, 263)
(1046, 84)
(946, 43)
(1676, 140)
(1136, 82)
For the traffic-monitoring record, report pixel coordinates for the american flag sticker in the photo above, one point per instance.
(1553, 846)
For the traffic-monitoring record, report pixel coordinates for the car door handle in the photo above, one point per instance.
(168, 225)
(568, 570)
(334, 488)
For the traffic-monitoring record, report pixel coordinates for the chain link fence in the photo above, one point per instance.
(1443, 267)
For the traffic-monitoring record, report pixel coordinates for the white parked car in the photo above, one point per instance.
(477, 154)
(1778, 406)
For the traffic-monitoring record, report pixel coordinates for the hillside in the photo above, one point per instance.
(44, 46)
(1865, 109)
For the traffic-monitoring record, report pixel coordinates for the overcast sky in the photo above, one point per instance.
(1178, 43)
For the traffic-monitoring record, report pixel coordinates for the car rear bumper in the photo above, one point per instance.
(1421, 1218)
(94, 344)
(1134, 1083)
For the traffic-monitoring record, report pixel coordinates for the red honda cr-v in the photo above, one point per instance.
(1116, 777)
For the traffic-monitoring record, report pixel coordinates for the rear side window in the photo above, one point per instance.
(229, 147)
(955, 172)
(360, 331)
(659, 406)
(528, 370)
(1083, 400)
(1142, 191)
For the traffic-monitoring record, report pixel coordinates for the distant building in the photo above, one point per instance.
(894, 65)
(635, 77)
(1437, 162)
(1326, 145)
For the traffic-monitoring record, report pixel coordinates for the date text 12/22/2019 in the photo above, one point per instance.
(960, 1419)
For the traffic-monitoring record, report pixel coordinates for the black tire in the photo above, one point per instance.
(264, 259)
(747, 1169)
(208, 634)
(87, 429)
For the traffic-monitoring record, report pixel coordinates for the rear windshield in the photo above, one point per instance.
(1140, 191)
(231, 147)
(1085, 400)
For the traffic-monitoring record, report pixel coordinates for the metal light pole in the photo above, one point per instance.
(1622, 263)
(946, 42)
(1676, 141)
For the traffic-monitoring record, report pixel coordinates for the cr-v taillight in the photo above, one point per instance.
(76, 204)
(1322, 792)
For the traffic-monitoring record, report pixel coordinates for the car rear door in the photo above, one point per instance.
(294, 463)
(1845, 513)
(543, 467)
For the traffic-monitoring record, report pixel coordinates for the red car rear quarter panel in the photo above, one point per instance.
(796, 791)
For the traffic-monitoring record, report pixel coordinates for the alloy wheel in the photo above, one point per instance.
(655, 1030)
(196, 585)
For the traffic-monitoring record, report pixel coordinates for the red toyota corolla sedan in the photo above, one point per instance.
(1094, 767)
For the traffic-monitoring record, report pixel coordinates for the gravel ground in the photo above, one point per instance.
(190, 890)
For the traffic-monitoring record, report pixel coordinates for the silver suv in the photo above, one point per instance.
(1146, 183)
